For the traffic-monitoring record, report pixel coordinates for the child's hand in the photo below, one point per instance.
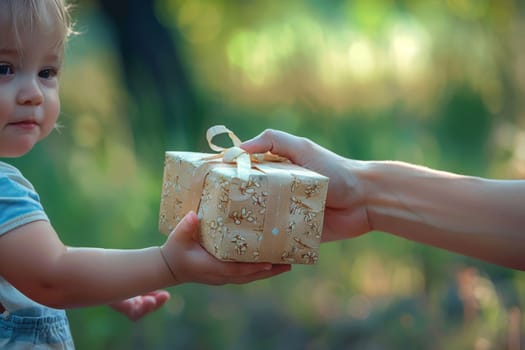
(190, 262)
(137, 307)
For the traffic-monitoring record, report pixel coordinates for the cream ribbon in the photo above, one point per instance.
(236, 154)
(230, 155)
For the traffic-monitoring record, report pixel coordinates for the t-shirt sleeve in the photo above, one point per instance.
(19, 203)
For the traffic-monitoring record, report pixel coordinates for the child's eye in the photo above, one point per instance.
(48, 73)
(6, 69)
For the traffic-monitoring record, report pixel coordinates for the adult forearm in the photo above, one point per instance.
(473, 216)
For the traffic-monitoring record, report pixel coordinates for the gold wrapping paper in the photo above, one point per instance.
(275, 214)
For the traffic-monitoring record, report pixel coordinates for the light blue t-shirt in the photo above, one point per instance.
(25, 324)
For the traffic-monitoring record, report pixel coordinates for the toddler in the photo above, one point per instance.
(39, 275)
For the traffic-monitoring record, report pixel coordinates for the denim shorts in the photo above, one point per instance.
(35, 333)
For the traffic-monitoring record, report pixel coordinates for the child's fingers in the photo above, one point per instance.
(276, 270)
(239, 278)
(160, 296)
(233, 269)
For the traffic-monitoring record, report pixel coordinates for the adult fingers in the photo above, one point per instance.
(278, 142)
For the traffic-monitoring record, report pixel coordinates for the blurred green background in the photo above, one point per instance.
(437, 83)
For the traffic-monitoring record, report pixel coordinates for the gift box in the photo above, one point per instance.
(252, 208)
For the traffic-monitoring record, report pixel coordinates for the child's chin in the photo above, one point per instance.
(18, 151)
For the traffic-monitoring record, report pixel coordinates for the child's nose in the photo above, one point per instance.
(30, 93)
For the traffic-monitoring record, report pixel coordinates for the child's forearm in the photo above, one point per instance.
(91, 276)
(52, 274)
(472, 216)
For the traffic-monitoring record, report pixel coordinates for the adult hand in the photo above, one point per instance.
(345, 212)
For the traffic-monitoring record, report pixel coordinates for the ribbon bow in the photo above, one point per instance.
(236, 154)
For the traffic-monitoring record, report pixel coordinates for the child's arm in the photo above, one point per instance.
(36, 262)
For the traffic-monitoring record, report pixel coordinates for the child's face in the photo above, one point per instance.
(29, 102)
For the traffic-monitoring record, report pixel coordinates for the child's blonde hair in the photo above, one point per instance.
(32, 15)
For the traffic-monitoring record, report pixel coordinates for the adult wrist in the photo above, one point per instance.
(355, 190)
(378, 197)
